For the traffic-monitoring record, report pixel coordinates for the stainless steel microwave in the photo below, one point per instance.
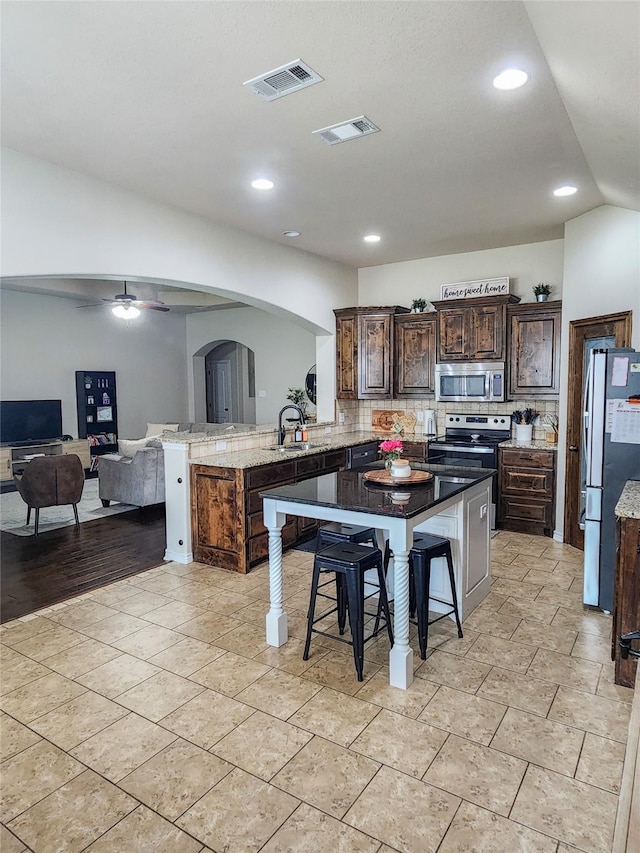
(474, 382)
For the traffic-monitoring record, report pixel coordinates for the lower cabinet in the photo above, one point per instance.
(526, 499)
(626, 603)
(226, 509)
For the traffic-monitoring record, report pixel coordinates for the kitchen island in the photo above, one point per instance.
(454, 503)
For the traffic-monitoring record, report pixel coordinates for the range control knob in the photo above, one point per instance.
(502, 421)
(457, 419)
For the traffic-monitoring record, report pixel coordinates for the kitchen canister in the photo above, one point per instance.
(524, 433)
(400, 469)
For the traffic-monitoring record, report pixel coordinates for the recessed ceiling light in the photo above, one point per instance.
(372, 238)
(290, 233)
(262, 184)
(561, 192)
(511, 78)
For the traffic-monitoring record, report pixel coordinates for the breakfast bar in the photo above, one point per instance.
(454, 502)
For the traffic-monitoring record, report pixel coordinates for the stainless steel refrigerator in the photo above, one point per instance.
(612, 456)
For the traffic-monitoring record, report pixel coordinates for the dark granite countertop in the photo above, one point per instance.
(350, 491)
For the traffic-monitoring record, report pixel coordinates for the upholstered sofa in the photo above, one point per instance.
(137, 480)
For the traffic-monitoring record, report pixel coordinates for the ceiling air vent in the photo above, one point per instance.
(346, 130)
(283, 81)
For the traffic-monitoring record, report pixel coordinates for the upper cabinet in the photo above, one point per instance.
(473, 329)
(534, 350)
(414, 355)
(364, 355)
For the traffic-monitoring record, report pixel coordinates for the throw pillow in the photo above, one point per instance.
(156, 429)
(129, 447)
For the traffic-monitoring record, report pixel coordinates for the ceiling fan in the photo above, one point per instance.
(126, 305)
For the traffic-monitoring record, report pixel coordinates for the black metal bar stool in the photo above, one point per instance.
(425, 549)
(334, 532)
(351, 561)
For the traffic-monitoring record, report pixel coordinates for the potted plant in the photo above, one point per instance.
(418, 305)
(542, 292)
(298, 398)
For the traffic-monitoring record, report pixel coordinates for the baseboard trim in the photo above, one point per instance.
(178, 557)
(557, 536)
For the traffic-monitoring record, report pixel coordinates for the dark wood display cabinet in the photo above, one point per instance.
(526, 495)
(364, 352)
(97, 403)
(414, 355)
(226, 508)
(533, 350)
(473, 329)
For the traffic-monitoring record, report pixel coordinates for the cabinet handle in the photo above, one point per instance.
(574, 448)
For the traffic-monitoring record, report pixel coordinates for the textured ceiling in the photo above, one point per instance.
(149, 96)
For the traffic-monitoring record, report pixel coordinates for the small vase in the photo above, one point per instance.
(541, 297)
(388, 463)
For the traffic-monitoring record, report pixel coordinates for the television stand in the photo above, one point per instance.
(14, 458)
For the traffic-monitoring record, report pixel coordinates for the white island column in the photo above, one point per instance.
(178, 503)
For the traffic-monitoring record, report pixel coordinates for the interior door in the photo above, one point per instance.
(219, 399)
(613, 330)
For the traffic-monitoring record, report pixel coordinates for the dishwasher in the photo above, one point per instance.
(363, 454)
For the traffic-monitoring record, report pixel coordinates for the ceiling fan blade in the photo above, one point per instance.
(152, 306)
(91, 305)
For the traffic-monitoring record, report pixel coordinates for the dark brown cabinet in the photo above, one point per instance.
(526, 498)
(364, 352)
(227, 524)
(414, 355)
(626, 601)
(473, 329)
(534, 350)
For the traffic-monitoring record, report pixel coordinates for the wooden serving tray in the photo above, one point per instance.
(384, 478)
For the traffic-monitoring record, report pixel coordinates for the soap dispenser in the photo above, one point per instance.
(430, 422)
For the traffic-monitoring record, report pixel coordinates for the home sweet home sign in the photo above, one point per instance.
(472, 289)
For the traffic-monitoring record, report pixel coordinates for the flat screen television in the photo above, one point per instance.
(30, 420)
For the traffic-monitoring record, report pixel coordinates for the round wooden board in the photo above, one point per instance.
(383, 478)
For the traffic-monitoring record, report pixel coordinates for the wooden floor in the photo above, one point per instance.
(39, 571)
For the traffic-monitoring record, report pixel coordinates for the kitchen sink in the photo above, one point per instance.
(294, 446)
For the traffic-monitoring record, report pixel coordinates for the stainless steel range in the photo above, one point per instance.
(471, 441)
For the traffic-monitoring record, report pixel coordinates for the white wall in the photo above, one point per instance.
(284, 352)
(45, 339)
(601, 276)
(526, 265)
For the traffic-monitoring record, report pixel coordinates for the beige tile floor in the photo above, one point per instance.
(151, 717)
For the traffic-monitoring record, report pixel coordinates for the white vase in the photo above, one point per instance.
(400, 469)
(524, 433)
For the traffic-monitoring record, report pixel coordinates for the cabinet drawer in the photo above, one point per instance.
(254, 501)
(309, 464)
(270, 475)
(526, 509)
(335, 459)
(415, 451)
(537, 483)
(528, 458)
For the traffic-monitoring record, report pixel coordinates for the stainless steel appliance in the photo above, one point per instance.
(430, 422)
(611, 444)
(470, 382)
(471, 441)
(363, 454)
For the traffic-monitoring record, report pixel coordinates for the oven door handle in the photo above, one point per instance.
(458, 449)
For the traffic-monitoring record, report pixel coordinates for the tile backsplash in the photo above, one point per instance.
(358, 413)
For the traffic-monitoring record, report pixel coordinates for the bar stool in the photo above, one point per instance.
(351, 561)
(334, 532)
(425, 549)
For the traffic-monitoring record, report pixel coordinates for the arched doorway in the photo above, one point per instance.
(229, 383)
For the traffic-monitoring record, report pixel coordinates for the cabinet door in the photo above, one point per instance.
(347, 358)
(486, 333)
(453, 334)
(534, 352)
(415, 352)
(375, 338)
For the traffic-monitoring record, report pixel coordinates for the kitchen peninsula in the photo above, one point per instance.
(453, 503)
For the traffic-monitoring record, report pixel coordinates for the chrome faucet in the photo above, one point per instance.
(281, 430)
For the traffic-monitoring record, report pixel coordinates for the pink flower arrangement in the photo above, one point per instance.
(391, 449)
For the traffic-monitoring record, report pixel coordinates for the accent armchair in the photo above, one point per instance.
(51, 481)
(137, 480)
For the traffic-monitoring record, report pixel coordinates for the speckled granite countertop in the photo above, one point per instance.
(629, 504)
(264, 456)
(530, 445)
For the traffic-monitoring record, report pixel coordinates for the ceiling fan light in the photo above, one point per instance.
(126, 312)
